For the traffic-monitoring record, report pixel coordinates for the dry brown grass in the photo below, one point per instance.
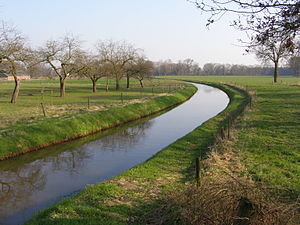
(224, 198)
(227, 196)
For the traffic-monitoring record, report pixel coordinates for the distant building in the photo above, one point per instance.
(7, 77)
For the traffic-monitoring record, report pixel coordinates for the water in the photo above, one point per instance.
(36, 180)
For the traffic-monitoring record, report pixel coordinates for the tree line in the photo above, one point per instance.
(182, 68)
(65, 58)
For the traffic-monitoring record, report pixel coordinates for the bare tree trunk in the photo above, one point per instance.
(128, 81)
(107, 84)
(275, 71)
(117, 84)
(141, 83)
(62, 87)
(94, 85)
(16, 90)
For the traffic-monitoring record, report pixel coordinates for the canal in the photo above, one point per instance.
(36, 180)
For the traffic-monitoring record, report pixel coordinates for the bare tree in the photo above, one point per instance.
(294, 64)
(141, 69)
(61, 56)
(94, 68)
(13, 53)
(274, 51)
(41, 71)
(271, 25)
(279, 17)
(182, 67)
(117, 54)
(209, 69)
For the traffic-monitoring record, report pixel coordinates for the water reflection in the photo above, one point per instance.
(124, 140)
(20, 184)
(36, 180)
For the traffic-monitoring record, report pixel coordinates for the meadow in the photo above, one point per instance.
(25, 127)
(79, 98)
(268, 136)
(262, 153)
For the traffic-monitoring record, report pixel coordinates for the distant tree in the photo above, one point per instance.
(39, 70)
(294, 64)
(118, 54)
(209, 69)
(93, 68)
(14, 53)
(188, 67)
(182, 67)
(272, 50)
(61, 56)
(140, 69)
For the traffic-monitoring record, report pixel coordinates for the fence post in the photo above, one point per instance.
(222, 133)
(42, 94)
(228, 127)
(51, 96)
(44, 112)
(88, 102)
(122, 100)
(198, 171)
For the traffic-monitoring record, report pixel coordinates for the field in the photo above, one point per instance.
(79, 98)
(262, 154)
(80, 113)
(268, 137)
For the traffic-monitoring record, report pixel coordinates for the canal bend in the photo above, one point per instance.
(36, 180)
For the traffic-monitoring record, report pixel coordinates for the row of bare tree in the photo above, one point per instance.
(65, 58)
(169, 68)
(187, 67)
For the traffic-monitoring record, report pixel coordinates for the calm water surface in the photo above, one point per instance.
(36, 180)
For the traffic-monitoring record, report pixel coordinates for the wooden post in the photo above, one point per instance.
(228, 127)
(152, 91)
(44, 112)
(222, 133)
(88, 102)
(122, 98)
(42, 94)
(51, 96)
(198, 171)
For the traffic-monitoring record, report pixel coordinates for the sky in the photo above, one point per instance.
(164, 29)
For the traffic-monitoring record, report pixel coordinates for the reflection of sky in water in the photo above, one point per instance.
(36, 180)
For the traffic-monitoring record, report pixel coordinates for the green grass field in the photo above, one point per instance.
(78, 92)
(269, 136)
(26, 130)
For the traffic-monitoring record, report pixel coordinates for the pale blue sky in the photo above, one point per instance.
(165, 29)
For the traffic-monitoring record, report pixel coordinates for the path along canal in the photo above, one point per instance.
(36, 180)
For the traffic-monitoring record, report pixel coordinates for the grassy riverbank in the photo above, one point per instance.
(268, 137)
(23, 136)
(137, 194)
